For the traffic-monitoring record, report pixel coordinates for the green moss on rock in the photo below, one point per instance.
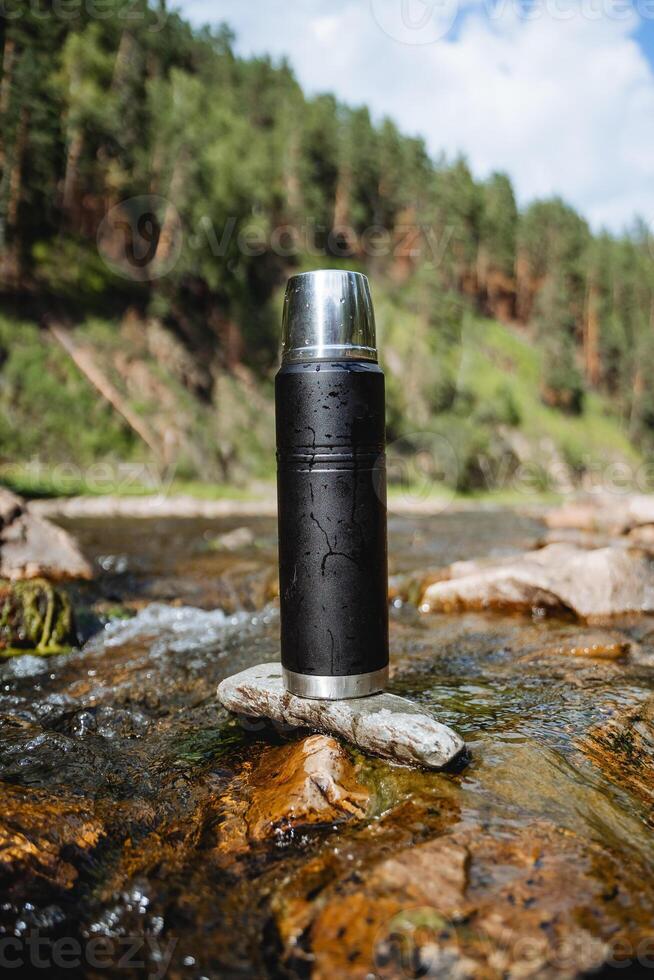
(34, 617)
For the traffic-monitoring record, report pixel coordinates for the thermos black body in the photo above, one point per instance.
(330, 416)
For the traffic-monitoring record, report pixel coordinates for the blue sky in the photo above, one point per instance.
(645, 37)
(557, 93)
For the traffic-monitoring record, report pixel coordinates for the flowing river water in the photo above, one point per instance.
(125, 784)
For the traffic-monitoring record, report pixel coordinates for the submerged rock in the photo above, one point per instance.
(382, 724)
(599, 645)
(34, 616)
(41, 838)
(531, 902)
(32, 547)
(558, 578)
(309, 782)
(623, 748)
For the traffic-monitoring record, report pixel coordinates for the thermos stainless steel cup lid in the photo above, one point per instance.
(331, 490)
(328, 315)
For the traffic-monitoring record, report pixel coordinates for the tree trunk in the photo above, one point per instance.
(636, 396)
(85, 362)
(523, 289)
(126, 46)
(73, 157)
(5, 93)
(342, 198)
(292, 185)
(482, 268)
(591, 337)
(342, 203)
(170, 223)
(16, 176)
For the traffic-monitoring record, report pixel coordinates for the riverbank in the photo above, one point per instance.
(263, 505)
(135, 806)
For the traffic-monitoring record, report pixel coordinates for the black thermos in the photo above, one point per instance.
(331, 483)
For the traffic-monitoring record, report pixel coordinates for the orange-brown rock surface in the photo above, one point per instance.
(623, 747)
(312, 781)
(595, 645)
(39, 837)
(534, 902)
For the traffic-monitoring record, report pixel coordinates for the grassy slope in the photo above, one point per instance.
(50, 412)
(495, 355)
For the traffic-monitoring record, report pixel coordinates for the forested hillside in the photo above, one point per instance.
(156, 191)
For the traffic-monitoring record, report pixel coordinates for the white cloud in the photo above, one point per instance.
(562, 100)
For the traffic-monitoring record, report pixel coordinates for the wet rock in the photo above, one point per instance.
(623, 748)
(599, 645)
(537, 901)
(40, 839)
(560, 577)
(36, 616)
(309, 782)
(32, 547)
(383, 724)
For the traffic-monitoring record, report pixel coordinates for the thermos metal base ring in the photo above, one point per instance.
(322, 688)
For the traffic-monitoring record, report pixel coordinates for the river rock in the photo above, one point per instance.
(383, 724)
(531, 902)
(591, 645)
(32, 547)
(614, 514)
(623, 747)
(560, 577)
(313, 781)
(40, 838)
